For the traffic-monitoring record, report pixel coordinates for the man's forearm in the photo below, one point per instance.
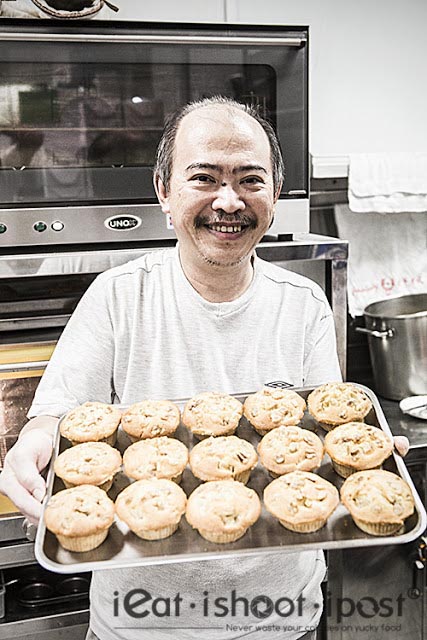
(43, 423)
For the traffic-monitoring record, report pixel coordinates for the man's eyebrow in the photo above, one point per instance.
(216, 167)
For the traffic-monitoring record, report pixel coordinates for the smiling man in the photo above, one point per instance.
(208, 315)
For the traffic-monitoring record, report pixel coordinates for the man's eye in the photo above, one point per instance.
(252, 180)
(202, 178)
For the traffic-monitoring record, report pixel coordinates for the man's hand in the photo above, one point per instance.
(401, 444)
(20, 479)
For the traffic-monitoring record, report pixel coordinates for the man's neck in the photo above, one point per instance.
(216, 283)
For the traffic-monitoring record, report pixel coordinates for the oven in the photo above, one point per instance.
(82, 107)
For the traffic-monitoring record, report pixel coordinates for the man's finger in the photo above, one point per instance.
(27, 474)
(22, 499)
(401, 444)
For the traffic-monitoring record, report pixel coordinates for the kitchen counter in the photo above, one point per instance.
(401, 424)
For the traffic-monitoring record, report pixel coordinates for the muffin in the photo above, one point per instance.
(271, 408)
(152, 509)
(91, 422)
(287, 449)
(150, 419)
(212, 414)
(336, 403)
(357, 446)
(156, 458)
(80, 517)
(222, 510)
(302, 501)
(223, 458)
(93, 463)
(378, 501)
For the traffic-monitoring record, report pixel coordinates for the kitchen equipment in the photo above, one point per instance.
(397, 337)
(122, 548)
(83, 107)
(415, 406)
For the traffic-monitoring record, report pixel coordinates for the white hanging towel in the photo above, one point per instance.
(388, 182)
(387, 255)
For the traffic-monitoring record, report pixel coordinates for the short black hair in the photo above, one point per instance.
(166, 147)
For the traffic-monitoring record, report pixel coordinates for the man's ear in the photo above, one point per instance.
(162, 194)
(278, 190)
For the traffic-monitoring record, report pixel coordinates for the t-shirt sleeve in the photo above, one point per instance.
(81, 367)
(321, 363)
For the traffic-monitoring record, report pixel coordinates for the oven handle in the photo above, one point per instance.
(13, 367)
(155, 39)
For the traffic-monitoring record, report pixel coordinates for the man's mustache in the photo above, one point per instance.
(229, 218)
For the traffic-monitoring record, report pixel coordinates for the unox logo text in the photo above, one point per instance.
(123, 222)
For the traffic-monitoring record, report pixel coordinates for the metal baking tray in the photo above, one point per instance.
(122, 548)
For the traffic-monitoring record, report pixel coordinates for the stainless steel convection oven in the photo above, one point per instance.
(82, 107)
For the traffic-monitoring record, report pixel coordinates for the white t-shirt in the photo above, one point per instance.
(142, 331)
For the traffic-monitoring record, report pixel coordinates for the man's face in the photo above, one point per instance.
(221, 194)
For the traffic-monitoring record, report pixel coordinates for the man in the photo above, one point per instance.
(206, 316)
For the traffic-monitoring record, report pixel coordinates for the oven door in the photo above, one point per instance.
(82, 110)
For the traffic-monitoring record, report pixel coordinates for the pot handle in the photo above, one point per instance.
(387, 333)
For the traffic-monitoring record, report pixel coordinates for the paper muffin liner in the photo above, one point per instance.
(82, 543)
(345, 471)
(304, 527)
(111, 440)
(243, 476)
(157, 534)
(105, 486)
(378, 528)
(222, 538)
(203, 436)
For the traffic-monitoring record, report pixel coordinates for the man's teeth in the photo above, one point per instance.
(229, 229)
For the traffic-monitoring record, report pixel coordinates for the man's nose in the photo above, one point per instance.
(228, 199)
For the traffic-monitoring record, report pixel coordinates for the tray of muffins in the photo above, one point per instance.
(216, 474)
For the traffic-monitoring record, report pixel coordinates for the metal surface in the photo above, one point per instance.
(122, 548)
(399, 355)
(152, 39)
(291, 216)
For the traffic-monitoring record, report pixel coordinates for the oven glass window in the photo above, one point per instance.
(82, 123)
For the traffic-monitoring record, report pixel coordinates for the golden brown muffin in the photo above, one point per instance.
(80, 517)
(357, 446)
(271, 408)
(156, 458)
(212, 414)
(287, 449)
(152, 508)
(222, 510)
(89, 463)
(302, 501)
(336, 403)
(379, 501)
(150, 419)
(91, 422)
(223, 458)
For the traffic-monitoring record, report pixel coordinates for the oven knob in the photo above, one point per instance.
(3, 227)
(40, 226)
(57, 225)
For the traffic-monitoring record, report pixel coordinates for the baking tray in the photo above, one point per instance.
(122, 548)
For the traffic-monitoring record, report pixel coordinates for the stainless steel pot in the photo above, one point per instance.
(397, 336)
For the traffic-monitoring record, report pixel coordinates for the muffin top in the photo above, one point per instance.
(88, 463)
(222, 457)
(212, 414)
(90, 422)
(151, 418)
(271, 408)
(358, 445)
(80, 511)
(161, 457)
(151, 504)
(377, 496)
(338, 402)
(223, 506)
(287, 449)
(301, 497)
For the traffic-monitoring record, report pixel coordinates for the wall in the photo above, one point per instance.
(368, 76)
